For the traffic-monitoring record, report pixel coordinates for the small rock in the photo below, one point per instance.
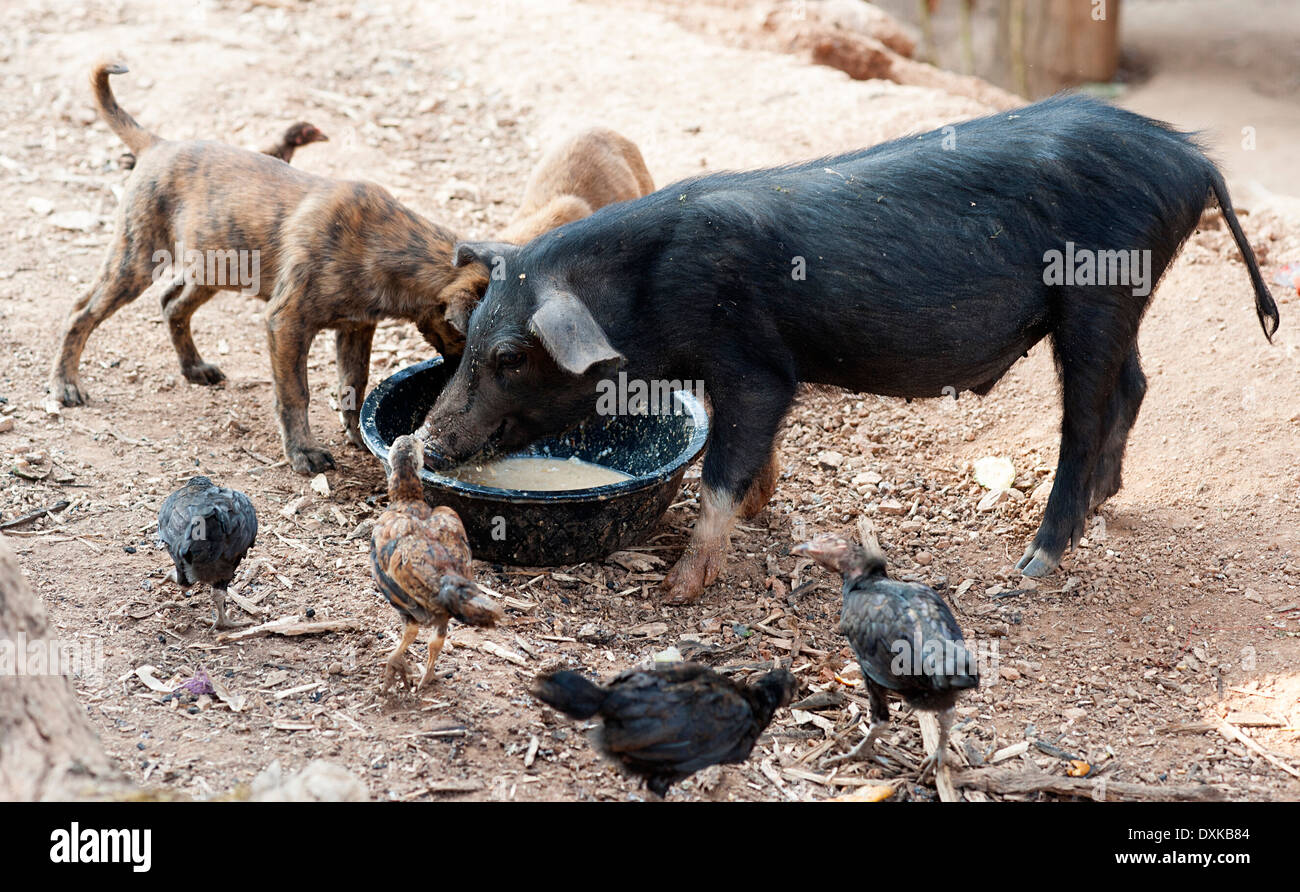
(890, 506)
(866, 478)
(1009, 673)
(924, 558)
(362, 530)
(41, 207)
(6, 425)
(320, 485)
(994, 472)
(830, 460)
(994, 498)
(1041, 492)
(74, 221)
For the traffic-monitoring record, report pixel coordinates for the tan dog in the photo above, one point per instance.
(576, 178)
(324, 253)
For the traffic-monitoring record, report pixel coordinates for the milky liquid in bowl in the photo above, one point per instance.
(538, 473)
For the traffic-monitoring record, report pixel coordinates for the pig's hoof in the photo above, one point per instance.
(67, 392)
(203, 373)
(1037, 563)
(311, 460)
(686, 582)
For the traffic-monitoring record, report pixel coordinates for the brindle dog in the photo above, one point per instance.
(331, 254)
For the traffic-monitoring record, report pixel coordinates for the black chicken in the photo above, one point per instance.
(905, 638)
(207, 531)
(668, 722)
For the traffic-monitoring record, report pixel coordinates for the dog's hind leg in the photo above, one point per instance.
(1121, 413)
(120, 281)
(178, 307)
(352, 348)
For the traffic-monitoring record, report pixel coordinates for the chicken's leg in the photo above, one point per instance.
(219, 602)
(934, 761)
(435, 648)
(396, 665)
(865, 749)
(877, 723)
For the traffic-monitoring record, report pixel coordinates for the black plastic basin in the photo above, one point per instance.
(544, 528)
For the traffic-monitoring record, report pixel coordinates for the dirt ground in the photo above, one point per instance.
(1184, 606)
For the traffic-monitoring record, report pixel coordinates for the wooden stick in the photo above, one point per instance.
(1232, 733)
(942, 776)
(1010, 780)
(291, 625)
(33, 516)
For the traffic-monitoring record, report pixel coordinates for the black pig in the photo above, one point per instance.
(923, 266)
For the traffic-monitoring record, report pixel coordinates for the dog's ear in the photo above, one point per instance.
(494, 255)
(457, 315)
(570, 333)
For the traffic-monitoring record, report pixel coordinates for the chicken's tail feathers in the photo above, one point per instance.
(126, 127)
(463, 599)
(962, 672)
(571, 693)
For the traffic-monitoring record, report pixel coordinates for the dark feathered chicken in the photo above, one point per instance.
(905, 638)
(207, 531)
(420, 559)
(295, 137)
(668, 722)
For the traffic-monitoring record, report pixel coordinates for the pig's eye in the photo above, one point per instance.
(510, 360)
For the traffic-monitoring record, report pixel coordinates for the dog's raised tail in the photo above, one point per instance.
(126, 127)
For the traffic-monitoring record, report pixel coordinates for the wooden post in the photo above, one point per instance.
(1060, 43)
(48, 749)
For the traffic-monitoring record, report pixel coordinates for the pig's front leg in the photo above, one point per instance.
(739, 471)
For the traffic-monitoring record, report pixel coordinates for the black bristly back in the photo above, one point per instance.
(207, 530)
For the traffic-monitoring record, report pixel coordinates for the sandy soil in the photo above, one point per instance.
(1183, 607)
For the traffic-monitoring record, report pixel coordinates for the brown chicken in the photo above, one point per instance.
(420, 559)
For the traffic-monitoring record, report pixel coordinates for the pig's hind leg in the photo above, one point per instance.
(1121, 413)
(1092, 340)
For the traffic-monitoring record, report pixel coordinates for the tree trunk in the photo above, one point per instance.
(1048, 45)
(48, 749)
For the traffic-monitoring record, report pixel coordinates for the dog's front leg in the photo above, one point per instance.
(352, 347)
(289, 340)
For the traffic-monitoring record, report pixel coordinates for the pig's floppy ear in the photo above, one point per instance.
(570, 334)
(482, 252)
